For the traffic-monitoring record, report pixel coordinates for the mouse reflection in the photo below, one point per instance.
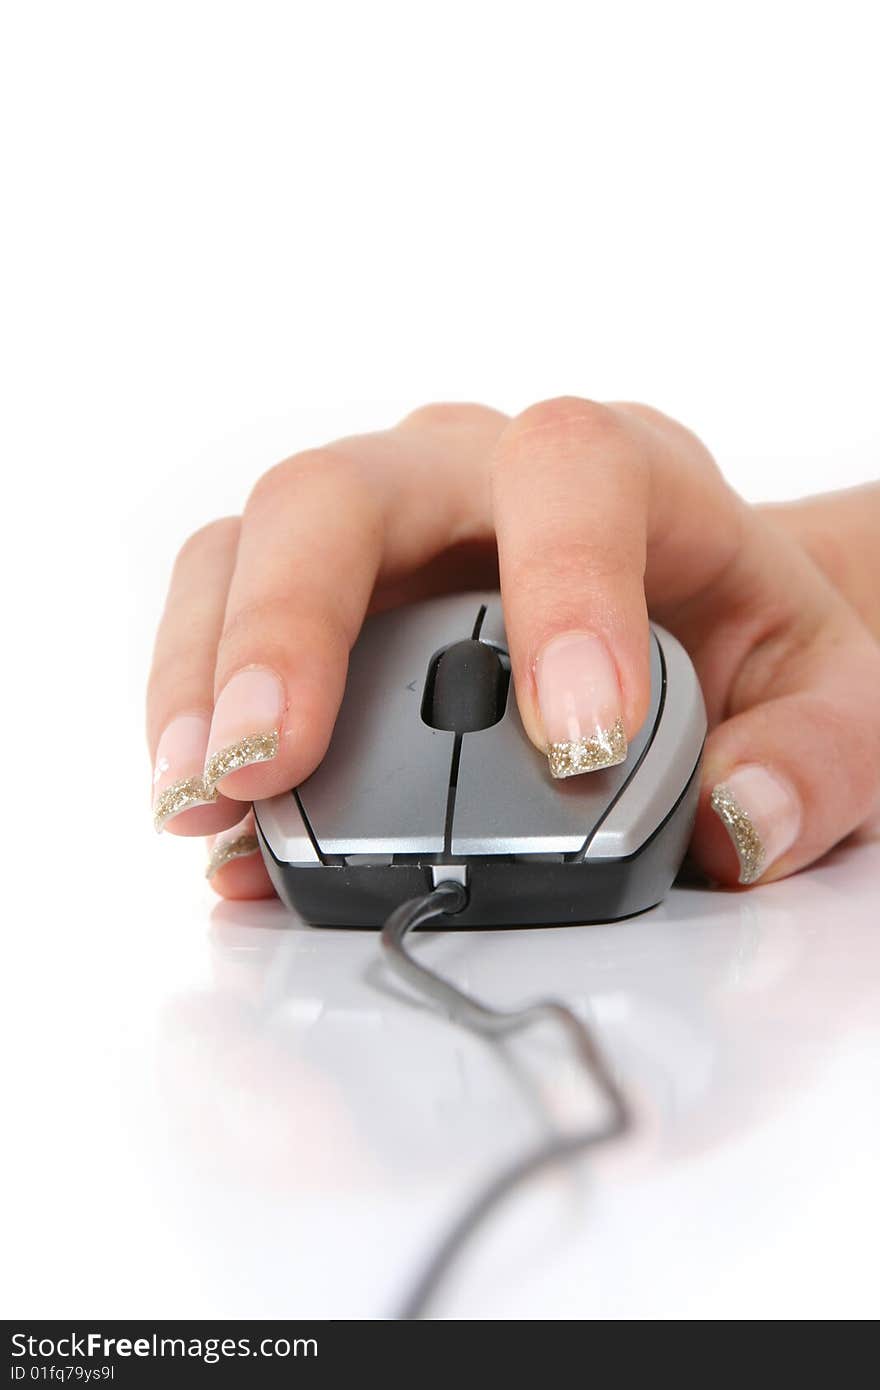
(294, 1066)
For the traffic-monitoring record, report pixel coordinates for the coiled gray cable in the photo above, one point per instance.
(448, 898)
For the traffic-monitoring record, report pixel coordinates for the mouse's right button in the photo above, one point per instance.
(506, 804)
(667, 766)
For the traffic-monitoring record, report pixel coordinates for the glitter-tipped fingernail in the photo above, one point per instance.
(580, 703)
(237, 843)
(247, 718)
(762, 815)
(178, 783)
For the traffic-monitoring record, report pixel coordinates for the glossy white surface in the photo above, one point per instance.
(225, 1113)
(207, 1112)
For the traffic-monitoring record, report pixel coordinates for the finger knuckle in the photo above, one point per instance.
(255, 632)
(334, 463)
(566, 414)
(450, 415)
(565, 424)
(857, 744)
(577, 574)
(277, 481)
(256, 616)
(214, 535)
(259, 628)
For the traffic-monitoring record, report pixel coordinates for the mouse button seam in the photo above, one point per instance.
(294, 791)
(478, 622)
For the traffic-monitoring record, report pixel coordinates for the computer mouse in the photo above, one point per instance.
(430, 776)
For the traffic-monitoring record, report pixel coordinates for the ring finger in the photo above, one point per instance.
(181, 688)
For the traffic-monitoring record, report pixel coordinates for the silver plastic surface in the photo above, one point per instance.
(383, 783)
(281, 823)
(449, 873)
(382, 787)
(507, 802)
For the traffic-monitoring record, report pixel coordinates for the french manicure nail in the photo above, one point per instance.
(762, 815)
(247, 718)
(178, 783)
(237, 843)
(580, 703)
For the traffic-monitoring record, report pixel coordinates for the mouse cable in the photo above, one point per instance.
(448, 898)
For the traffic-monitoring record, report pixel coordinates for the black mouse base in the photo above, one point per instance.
(504, 892)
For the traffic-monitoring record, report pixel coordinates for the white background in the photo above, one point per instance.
(230, 231)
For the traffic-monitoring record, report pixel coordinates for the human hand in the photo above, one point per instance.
(840, 531)
(592, 515)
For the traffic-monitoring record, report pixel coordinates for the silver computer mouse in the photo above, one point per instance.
(430, 776)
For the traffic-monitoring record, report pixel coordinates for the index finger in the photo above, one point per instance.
(318, 532)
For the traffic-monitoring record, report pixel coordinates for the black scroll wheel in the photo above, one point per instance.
(466, 687)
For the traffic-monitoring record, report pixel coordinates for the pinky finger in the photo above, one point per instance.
(235, 866)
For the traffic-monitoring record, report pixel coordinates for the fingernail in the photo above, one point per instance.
(236, 843)
(178, 781)
(247, 717)
(762, 815)
(580, 703)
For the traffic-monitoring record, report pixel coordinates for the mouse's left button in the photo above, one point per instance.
(281, 824)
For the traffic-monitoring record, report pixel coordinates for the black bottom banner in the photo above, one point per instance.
(121, 1354)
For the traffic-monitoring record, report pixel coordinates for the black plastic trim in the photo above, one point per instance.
(504, 892)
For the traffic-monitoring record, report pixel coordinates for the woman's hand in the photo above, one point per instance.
(592, 515)
(841, 532)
